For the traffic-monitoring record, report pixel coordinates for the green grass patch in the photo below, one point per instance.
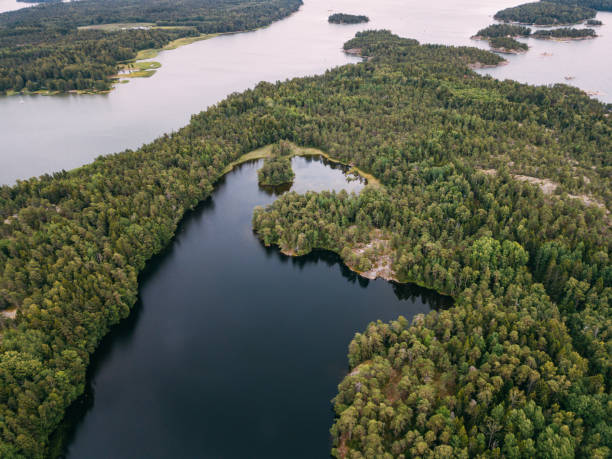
(139, 74)
(151, 53)
(144, 65)
(119, 26)
(140, 69)
(146, 54)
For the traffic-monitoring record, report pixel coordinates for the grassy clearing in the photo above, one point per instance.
(188, 40)
(48, 92)
(260, 153)
(141, 69)
(138, 74)
(265, 152)
(151, 53)
(145, 65)
(146, 54)
(118, 26)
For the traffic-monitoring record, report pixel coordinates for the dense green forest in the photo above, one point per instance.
(501, 37)
(504, 30)
(520, 365)
(564, 32)
(341, 18)
(601, 5)
(545, 13)
(507, 45)
(276, 169)
(42, 48)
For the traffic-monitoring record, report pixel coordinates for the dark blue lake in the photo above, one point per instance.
(234, 350)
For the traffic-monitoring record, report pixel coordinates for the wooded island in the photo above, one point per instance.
(341, 18)
(276, 169)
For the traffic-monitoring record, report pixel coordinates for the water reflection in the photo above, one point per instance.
(275, 190)
(405, 292)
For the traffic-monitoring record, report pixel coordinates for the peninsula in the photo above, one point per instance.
(81, 46)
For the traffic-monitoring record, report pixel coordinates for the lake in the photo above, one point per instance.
(234, 350)
(48, 133)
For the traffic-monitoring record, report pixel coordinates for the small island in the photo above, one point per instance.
(502, 30)
(341, 18)
(507, 45)
(594, 22)
(565, 33)
(277, 170)
(545, 13)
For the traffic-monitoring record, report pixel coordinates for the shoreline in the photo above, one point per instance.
(559, 24)
(371, 274)
(141, 71)
(563, 38)
(365, 274)
(480, 65)
(143, 55)
(481, 38)
(509, 51)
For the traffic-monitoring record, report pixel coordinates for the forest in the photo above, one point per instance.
(507, 45)
(45, 48)
(600, 5)
(519, 366)
(501, 36)
(341, 18)
(546, 13)
(564, 32)
(503, 30)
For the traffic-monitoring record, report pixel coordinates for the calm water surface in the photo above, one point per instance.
(234, 349)
(11, 5)
(44, 134)
(586, 64)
